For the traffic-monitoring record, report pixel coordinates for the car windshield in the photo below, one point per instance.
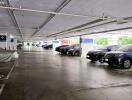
(125, 48)
(73, 46)
(104, 48)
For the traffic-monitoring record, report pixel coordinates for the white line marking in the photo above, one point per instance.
(7, 77)
(10, 71)
(2, 88)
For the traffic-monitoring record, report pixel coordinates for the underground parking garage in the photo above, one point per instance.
(65, 50)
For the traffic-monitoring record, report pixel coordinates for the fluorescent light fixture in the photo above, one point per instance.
(11, 36)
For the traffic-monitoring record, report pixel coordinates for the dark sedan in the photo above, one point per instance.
(49, 46)
(120, 58)
(76, 51)
(98, 55)
(58, 48)
(64, 50)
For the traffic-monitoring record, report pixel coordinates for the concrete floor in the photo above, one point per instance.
(43, 76)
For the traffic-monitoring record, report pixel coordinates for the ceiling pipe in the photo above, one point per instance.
(99, 32)
(59, 8)
(77, 30)
(57, 13)
(74, 29)
(12, 16)
(80, 26)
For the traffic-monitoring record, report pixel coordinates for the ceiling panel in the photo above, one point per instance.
(6, 25)
(30, 21)
(33, 20)
(114, 8)
(48, 5)
(5, 20)
(117, 8)
(59, 23)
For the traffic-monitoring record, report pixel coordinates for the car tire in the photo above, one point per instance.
(126, 64)
(110, 64)
(76, 53)
(101, 59)
(68, 53)
(93, 60)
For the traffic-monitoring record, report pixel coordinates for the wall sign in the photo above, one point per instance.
(101, 41)
(2, 38)
(87, 40)
(65, 41)
(123, 40)
(55, 41)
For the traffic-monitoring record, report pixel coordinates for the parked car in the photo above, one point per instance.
(98, 55)
(43, 45)
(75, 51)
(50, 46)
(121, 58)
(37, 45)
(19, 46)
(58, 48)
(63, 50)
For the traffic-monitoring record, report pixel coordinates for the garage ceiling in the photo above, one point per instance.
(35, 25)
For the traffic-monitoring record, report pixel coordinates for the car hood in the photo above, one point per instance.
(97, 51)
(115, 52)
(72, 49)
(64, 47)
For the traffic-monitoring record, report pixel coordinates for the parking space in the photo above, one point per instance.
(5, 72)
(44, 76)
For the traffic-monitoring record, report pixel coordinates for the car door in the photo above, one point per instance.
(130, 53)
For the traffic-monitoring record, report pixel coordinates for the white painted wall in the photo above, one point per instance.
(3, 44)
(92, 46)
(86, 46)
(8, 45)
(12, 45)
(56, 43)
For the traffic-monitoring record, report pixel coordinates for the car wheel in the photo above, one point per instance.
(126, 64)
(93, 60)
(110, 64)
(68, 53)
(101, 59)
(76, 53)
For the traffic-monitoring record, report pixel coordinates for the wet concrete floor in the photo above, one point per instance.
(44, 76)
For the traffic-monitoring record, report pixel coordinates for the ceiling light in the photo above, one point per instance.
(11, 36)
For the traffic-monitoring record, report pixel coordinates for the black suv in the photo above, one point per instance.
(75, 51)
(121, 58)
(98, 54)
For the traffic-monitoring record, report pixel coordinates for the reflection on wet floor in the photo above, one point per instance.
(43, 76)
